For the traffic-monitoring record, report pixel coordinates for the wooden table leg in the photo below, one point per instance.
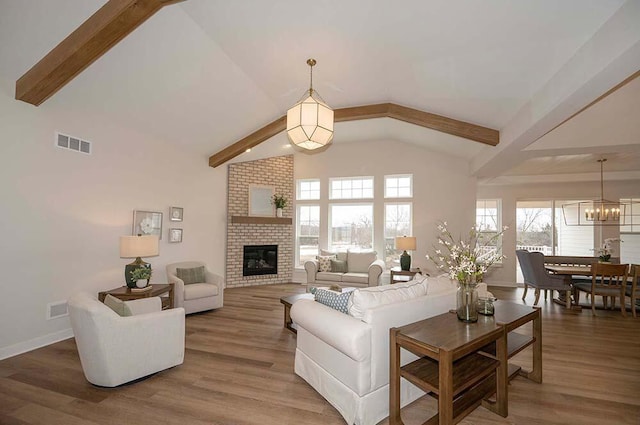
(445, 398)
(394, 380)
(501, 405)
(536, 374)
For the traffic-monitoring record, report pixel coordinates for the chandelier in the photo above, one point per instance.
(310, 121)
(599, 212)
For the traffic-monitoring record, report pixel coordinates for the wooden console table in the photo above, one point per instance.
(126, 294)
(450, 366)
(397, 275)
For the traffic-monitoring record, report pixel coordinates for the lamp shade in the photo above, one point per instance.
(310, 123)
(139, 246)
(406, 243)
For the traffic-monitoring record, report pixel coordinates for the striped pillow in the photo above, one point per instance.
(193, 275)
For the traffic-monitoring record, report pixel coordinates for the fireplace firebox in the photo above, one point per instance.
(259, 260)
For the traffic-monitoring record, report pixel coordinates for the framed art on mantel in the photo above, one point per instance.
(260, 201)
(147, 223)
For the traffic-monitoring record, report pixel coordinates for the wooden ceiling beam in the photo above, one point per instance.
(110, 24)
(440, 123)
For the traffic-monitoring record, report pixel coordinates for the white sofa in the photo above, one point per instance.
(363, 269)
(114, 350)
(346, 359)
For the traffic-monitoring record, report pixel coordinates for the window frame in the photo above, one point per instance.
(398, 176)
(330, 242)
(362, 179)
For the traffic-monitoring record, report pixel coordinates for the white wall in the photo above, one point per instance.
(442, 187)
(510, 194)
(63, 212)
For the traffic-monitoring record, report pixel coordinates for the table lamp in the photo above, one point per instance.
(406, 243)
(137, 247)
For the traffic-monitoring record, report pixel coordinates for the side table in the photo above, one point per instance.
(125, 293)
(450, 366)
(398, 275)
(287, 302)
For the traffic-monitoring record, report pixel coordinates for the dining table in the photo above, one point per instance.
(568, 270)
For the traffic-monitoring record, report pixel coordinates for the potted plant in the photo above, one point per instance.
(280, 202)
(141, 276)
(604, 252)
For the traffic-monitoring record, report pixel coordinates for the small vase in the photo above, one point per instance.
(141, 283)
(466, 301)
(278, 212)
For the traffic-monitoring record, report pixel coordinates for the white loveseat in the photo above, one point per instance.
(363, 269)
(346, 359)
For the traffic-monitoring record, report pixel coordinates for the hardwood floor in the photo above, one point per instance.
(238, 369)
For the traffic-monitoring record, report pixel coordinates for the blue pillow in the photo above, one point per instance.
(337, 301)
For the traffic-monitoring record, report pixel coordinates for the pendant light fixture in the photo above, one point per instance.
(310, 121)
(599, 212)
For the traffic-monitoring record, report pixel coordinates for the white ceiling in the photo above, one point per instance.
(205, 73)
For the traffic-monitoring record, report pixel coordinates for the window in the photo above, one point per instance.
(488, 223)
(351, 227)
(307, 232)
(630, 232)
(397, 222)
(398, 186)
(631, 216)
(351, 188)
(308, 189)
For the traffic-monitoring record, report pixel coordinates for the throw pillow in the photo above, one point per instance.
(335, 300)
(117, 305)
(342, 256)
(359, 262)
(364, 299)
(324, 262)
(189, 276)
(338, 266)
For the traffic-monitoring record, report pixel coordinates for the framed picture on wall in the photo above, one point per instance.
(176, 213)
(260, 201)
(175, 235)
(147, 223)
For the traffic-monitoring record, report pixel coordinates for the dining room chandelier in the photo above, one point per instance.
(599, 212)
(310, 121)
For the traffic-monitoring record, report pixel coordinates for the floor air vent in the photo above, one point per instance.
(73, 143)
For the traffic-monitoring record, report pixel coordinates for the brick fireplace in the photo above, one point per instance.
(243, 230)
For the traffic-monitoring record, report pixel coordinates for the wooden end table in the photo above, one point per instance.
(398, 275)
(125, 293)
(450, 366)
(288, 302)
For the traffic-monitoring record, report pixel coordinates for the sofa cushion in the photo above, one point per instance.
(117, 305)
(192, 275)
(338, 266)
(364, 299)
(359, 262)
(440, 284)
(355, 278)
(200, 290)
(342, 256)
(324, 262)
(329, 276)
(335, 300)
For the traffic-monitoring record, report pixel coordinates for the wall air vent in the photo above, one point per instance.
(57, 309)
(73, 143)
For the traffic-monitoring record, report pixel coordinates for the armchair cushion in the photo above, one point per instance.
(359, 262)
(117, 305)
(194, 291)
(191, 275)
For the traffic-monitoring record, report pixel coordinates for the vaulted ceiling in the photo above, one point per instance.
(206, 73)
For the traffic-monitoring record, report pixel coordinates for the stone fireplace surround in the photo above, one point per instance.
(243, 230)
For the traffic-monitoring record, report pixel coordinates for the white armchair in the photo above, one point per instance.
(199, 296)
(114, 350)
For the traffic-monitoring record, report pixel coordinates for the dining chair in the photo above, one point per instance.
(607, 280)
(632, 289)
(536, 276)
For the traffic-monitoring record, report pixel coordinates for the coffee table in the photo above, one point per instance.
(288, 302)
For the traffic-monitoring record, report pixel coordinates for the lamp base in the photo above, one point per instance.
(405, 261)
(137, 264)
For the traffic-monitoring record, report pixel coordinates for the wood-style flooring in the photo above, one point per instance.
(238, 369)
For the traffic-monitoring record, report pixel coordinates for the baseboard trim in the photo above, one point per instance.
(33, 344)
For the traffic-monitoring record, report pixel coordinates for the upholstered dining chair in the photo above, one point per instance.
(195, 287)
(632, 290)
(607, 280)
(536, 276)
